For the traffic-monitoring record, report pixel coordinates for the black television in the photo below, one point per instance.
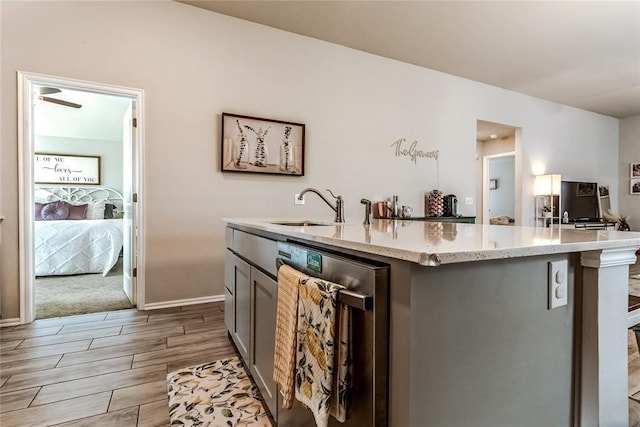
(580, 201)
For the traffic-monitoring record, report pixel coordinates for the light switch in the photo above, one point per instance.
(557, 283)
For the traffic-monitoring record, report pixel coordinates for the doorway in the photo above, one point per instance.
(115, 185)
(498, 177)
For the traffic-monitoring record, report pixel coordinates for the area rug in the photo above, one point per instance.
(58, 296)
(215, 394)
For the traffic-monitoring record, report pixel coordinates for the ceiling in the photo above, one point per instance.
(583, 54)
(99, 118)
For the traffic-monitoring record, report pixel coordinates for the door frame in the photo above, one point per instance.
(26, 83)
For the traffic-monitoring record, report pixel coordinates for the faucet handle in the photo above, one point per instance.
(367, 211)
(333, 195)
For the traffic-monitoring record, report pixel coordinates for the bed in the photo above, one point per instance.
(75, 230)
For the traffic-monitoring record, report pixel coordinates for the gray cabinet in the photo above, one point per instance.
(264, 297)
(238, 284)
(251, 294)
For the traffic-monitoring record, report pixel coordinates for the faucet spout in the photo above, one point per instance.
(338, 208)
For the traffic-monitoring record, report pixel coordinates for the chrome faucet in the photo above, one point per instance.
(338, 208)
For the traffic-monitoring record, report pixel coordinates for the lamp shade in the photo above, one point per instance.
(547, 185)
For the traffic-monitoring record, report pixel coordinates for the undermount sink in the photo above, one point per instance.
(299, 223)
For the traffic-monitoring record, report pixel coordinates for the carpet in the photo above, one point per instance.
(58, 296)
(215, 394)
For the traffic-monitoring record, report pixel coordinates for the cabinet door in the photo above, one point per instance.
(239, 274)
(229, 292)
(264, 297)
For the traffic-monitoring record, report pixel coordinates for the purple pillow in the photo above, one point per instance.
(54, 211)
(59, 211)
(77, 211)
(38, 211)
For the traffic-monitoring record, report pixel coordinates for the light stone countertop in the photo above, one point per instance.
(434, 243)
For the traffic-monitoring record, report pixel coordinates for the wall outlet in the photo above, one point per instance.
(468, 201)
(297, 201)
(557, 282)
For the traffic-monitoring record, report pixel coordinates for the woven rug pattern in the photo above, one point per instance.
(215, 394)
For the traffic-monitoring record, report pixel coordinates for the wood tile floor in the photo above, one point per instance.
(109, 369)
(103, 369)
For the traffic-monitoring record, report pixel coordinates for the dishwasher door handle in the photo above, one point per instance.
(345, 296)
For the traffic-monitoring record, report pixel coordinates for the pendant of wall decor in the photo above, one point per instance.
(260, 153)
(240, 150)
(286, 152)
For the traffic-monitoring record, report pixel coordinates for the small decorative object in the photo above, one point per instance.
(260, 155)
(241, 154)
(621, 220)
(546, 211)
(493, 184)
(406, 211)
(434, 203)
(635, 170)
(286, 151)
(635, 186)
(66, 169)
(271, 136)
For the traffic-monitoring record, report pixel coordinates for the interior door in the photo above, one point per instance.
(129, 217)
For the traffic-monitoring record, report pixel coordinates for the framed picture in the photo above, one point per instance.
(256, 145)
(635, 170)
(66, 169)
(493, 184)
(586, 189)
(635, 186)
(603, 190)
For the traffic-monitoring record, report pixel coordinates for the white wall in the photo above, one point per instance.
(629, 152)
(110, 153)
(193, 65)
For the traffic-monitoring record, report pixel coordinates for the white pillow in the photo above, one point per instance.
(95, 210)
(41, 195)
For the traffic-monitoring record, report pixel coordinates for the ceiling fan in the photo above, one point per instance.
(43, 91)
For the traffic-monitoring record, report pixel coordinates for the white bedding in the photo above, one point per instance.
(77, 247)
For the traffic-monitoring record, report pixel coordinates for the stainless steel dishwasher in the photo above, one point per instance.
(367, 288)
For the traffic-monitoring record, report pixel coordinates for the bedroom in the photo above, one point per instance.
(79, 234)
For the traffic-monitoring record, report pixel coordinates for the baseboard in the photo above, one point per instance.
(16, 321)
(181, 302)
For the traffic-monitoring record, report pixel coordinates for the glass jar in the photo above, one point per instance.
(240, 152)
(287, 157)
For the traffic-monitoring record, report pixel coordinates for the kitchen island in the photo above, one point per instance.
(472, 340)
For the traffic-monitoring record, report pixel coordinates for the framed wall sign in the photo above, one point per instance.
(252, 144)
(66, 169)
